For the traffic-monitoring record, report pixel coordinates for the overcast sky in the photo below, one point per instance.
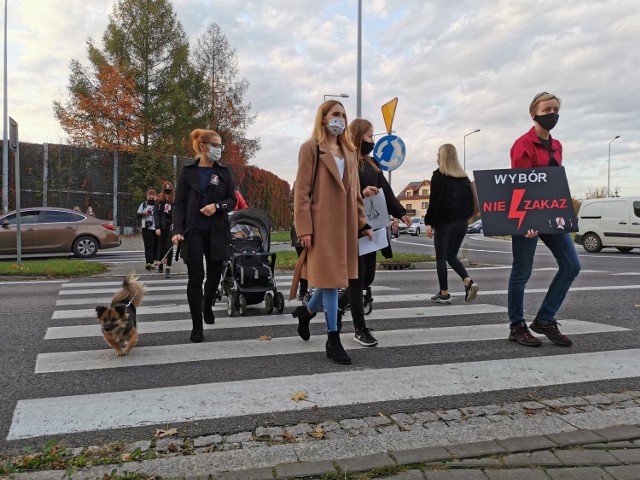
(455, 66)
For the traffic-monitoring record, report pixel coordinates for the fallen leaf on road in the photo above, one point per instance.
(166, 433)
(172, 447)
(288, 437)
(125, 457)
(298, 396)
(264, 338)
(317, 433)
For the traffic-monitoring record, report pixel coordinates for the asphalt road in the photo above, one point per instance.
(606, 294)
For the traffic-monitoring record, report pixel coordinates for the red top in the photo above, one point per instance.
(528, 151)
(240, 203)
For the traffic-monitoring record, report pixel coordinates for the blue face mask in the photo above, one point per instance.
(214, 153)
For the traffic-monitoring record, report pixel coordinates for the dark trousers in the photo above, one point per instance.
(164, 244)
(304, 284)
(447, 239)
(199, 245)
(353, 296)
(150, 240)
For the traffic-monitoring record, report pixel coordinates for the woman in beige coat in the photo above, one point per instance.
(328, 215)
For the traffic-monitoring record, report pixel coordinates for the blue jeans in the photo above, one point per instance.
(524, 249)
(329, 299)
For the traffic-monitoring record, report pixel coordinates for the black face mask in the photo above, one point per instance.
(151, 202)
(547, 121)
(167, 191)
(366, 147)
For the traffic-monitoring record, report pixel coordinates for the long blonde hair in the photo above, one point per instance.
(320, 132)
(357, 129)
(448, 163)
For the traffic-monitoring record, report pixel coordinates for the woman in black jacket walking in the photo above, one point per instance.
(450, 206)
(205, 194)
(162, 219)
(371, 181)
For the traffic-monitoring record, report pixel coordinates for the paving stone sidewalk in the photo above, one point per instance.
(594, 436)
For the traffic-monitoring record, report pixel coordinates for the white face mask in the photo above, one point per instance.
(335, 126)
(214, 153)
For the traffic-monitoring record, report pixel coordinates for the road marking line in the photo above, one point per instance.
(407, 297)
(187, 403)
(181, 353)
(165, 326)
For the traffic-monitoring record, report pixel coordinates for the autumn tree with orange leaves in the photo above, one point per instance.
(103, 110)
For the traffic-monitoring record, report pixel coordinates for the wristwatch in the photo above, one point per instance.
(217, 206)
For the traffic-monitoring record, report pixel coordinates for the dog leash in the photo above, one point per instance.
(155, 268)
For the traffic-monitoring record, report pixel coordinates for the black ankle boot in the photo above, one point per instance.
(207, 312)
(196, 333)
(335, 351)
(304, 317)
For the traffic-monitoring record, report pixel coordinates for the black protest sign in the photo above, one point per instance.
(515, 200)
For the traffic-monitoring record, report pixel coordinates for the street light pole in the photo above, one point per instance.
(359, 75)
(339, 95)
(464, 148)
(609, 167)
(5, 142)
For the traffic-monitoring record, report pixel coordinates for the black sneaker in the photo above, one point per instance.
(552, 333)
(439, 298)
(364, 338)
(160, 268)
(522, 335)
(471, 291)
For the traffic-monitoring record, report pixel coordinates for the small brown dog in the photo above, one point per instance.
(118, 321)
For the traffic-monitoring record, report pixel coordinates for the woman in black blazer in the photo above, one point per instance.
(205, 195)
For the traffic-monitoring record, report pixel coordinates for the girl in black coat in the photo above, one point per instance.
(371, 180)
(205, 195)
(450, 206)
(162, 218)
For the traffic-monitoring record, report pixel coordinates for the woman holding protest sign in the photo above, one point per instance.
(371, 182)
(537, 148)
(328, 215)
(450, 206)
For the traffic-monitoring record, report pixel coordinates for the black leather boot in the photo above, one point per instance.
(304, 317)
(207, 312)
(335, 351)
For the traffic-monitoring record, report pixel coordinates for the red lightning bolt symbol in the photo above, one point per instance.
(516, 198)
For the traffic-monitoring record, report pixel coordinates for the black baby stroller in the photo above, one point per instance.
(248, 276)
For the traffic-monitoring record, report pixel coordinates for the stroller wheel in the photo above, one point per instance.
(243, 305)
(268, 302)
(278, 302)
(231, 306)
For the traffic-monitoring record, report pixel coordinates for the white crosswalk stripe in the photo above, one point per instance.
(401, 320)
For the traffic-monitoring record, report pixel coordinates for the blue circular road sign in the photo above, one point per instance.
(389, 152)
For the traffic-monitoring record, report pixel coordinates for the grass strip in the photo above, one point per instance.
(52, 268)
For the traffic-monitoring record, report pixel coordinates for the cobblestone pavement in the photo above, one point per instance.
(581, 438)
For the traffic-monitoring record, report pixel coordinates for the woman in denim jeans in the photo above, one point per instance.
(537, 148)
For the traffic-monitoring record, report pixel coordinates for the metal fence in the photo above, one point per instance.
(65, 176)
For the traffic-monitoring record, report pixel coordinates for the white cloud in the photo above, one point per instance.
(455, 66)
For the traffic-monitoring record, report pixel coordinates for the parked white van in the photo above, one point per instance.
(609, 222)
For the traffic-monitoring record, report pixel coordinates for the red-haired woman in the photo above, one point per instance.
(205, 195)
(162, 220)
